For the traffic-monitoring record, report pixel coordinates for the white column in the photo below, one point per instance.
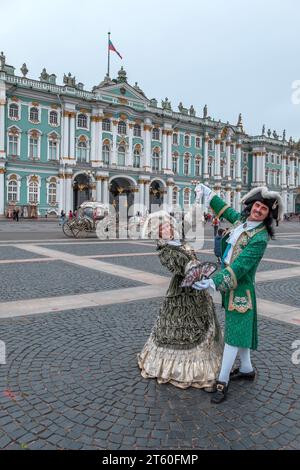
(142, 195)
(93, 138)
(105, 190)
(2, 118)
(227, 195)
(136, 200)
(238, 168)
(99, 139)
(292, 171)
(169, 151)
(130, 149)
(61, 199)
(114, 144)
(2, 186)
(283, 171)
(147, 194)
(205, 158)
(217, 158)
(164, 149)
(98, 188)
(228, 160)
(65, 140)
(72, 135)
(170, 186)
(147, 145)
(69, 189)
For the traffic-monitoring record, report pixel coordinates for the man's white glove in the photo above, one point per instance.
(204, 284)
(201, 190)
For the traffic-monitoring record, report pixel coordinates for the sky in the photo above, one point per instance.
(236, 56)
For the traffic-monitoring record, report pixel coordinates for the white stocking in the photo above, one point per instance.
(228, 359)
(246, 365)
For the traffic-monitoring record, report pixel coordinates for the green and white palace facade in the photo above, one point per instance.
(61, 145)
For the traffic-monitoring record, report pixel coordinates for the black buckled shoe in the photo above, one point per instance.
(236, 374)
(221, 392)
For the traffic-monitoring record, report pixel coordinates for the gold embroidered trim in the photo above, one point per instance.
(240, 304)
(222, 211)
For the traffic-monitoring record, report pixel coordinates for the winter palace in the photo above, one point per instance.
(61, 145)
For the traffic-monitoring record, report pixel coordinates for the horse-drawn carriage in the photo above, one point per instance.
(88, 215)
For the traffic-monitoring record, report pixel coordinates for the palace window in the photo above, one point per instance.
(210, 145)
(245, 157)
(209, 166)
(278, 160)
(198, 167)
(52, 193)
(82, 151)
(13, 111)
(222, 168)
(33, 147)
(232, 149)
(122, 128)
(137, 130)
(106, 125)
(82, 121)
(187, 140)
(13, 144)
(12, 191)
(136, 159)
(222, 147)
(198, 142)
(121, 155)
(186, 165)
(186, 197)
(34, 114)
(278, 178)
(245, 177)
(175, 163)
(53, 147)
(53, 118)
(155, 160)
(105, 154)
(232, 170)
(33, 192)
(175, 139)
(175, 196)
(155, 133)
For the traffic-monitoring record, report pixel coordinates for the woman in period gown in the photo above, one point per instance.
(185, 346)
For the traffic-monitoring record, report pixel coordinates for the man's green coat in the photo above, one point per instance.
(236, 281)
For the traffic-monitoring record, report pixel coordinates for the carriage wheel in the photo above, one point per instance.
(68, 229)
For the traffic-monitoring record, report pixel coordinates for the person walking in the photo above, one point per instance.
(242, 250)
(218, 242)
(215, 223)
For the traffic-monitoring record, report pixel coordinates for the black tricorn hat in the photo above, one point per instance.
(272, 199)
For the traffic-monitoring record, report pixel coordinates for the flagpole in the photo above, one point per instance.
(108, 54)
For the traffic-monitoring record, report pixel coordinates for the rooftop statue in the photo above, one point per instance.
(24, 70)
(192, 111)
(205, 111)
(166, 104)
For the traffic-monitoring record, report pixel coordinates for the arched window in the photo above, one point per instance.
(121, 155)
(82, 151)
(53, 149)
(198, 142)
(187, 140)
(106, 125)
(33, 146)
(52, 193)
(82, 121)
(12, 191)
(33, 193)
(175, 163)
(53, 118)
(137, 130)
(122, 128)
(210, 145)
(198, 166)
(186, 197)
(175, 196)
(155, 160)
(155, 133)
(245, 177)
(13, 142)
(34, 114)
(186, 164)
(13, 111)
(105, 154)
(137, 158)
(175, 139)
(210, 163)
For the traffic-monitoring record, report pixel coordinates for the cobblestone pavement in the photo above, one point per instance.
(71, 379)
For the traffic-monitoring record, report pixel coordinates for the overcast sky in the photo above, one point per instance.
(234, 55)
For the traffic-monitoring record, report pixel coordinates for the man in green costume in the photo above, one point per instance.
(242, 249)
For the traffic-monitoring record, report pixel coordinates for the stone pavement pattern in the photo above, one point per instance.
(72, 334)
